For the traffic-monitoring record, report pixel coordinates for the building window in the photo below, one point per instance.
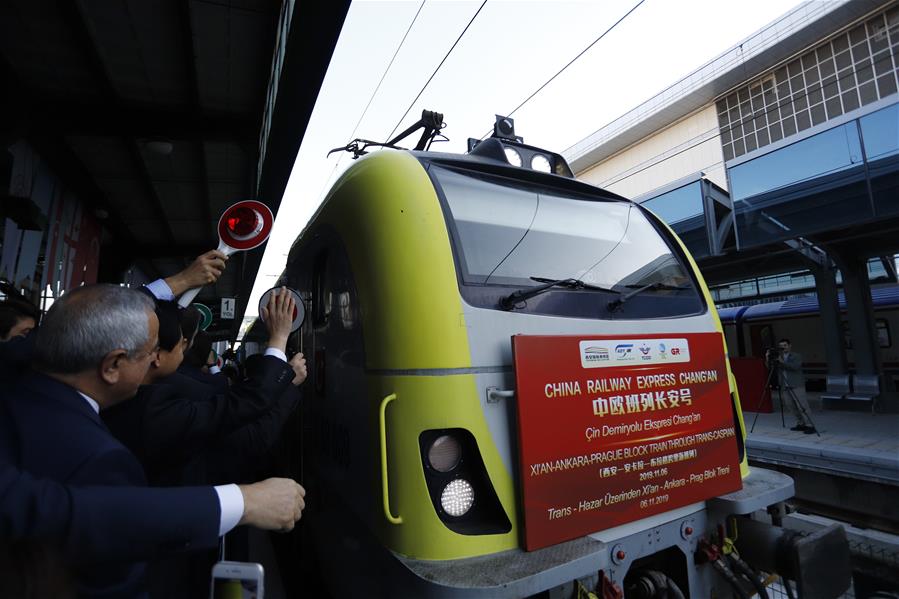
(850, 70)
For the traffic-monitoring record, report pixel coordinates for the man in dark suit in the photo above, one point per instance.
(197, 366)
(92, 352)
(95, 524)
(172, 417)
(87, 359)
(87, 523)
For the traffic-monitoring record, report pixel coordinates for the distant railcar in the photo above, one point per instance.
(750, 330)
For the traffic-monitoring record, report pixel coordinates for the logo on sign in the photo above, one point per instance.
(610, 353)
(623, 351)
(595, 353)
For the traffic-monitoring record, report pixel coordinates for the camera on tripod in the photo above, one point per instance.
(772, 357)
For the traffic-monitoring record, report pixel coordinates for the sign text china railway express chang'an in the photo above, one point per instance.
(613, 430)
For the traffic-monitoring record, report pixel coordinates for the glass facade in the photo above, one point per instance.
(850, 70)
(880, 132)
(682, 209)
(819, 183)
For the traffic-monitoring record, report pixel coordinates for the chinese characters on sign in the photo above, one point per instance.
(613, 430)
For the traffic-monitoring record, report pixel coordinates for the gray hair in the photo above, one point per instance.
(87, 323)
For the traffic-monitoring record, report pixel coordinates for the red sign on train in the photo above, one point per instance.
(615, 429)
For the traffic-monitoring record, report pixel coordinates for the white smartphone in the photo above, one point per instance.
(237, 580)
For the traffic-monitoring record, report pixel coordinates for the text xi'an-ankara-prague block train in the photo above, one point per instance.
(519, 387)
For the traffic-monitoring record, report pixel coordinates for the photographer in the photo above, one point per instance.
(793, 380)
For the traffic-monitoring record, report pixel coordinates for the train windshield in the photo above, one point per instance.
(509, 233)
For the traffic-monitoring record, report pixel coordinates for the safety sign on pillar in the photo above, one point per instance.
(206, 314)
(227, 311)
(243, 226)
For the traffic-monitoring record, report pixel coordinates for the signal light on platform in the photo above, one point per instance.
(457, 497)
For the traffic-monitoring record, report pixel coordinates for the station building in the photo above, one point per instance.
(780, 157)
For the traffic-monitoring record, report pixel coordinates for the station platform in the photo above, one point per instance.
(857, 445)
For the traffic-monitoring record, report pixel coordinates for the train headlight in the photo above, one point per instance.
(444, 453)
(457, 497)
(541, 163)
(513, 156)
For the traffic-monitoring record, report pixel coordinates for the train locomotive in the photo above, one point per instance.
(417, 269)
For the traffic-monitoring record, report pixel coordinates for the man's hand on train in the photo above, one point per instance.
(204, 270)
(273, 504)
(278, 317)
(298, 363)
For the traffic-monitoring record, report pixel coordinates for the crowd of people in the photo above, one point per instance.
(123, 460)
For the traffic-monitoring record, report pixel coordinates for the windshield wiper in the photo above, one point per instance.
(617, 303)
(510, 301)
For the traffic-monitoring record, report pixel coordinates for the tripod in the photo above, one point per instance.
(774, 370)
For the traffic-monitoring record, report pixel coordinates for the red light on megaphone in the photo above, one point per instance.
(245, 225)
(243, 221)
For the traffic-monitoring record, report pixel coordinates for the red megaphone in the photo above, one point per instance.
(243, 226)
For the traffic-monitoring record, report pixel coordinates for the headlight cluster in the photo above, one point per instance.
(541, 163)
(444, 456)
(513, 156)
(538, 162)
(458, 484)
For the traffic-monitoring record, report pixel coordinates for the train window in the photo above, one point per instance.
(511, 233)
(881, 327)
(321, 290)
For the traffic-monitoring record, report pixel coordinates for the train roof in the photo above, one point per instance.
(488, 157)
(880, 296)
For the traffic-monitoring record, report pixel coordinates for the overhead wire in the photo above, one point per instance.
(729, 62)
(450, 51)
(372, 97)
(398, 48)
(572, 61)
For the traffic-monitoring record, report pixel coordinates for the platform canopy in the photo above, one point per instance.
(153, 114)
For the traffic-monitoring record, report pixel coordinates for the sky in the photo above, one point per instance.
(510, 49)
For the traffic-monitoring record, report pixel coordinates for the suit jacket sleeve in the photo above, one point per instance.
(135, 523)
(258, 437)
(30, 507)
(96, 524)
(174, 426)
